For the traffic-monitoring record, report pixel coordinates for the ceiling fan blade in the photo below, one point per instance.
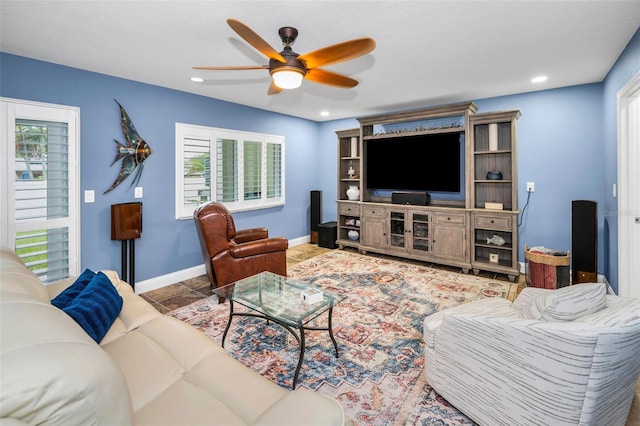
(241, 67)
(331, 78)
(338, 52)
(273, 89)
(255, 40)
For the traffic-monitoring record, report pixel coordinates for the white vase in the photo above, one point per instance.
(493, 137)
(353, 193)
(353, 235)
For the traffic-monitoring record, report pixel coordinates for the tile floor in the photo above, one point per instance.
(182, 293)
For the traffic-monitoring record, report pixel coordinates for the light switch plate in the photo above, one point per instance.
(89, 196)
(138, 192)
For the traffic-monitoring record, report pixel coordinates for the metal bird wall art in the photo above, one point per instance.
(132, 154)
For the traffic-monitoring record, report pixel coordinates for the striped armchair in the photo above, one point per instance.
(552, 357)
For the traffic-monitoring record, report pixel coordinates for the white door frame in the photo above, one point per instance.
(629, 188)
(10, 110)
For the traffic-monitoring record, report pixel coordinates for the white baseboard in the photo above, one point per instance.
(299, 241)
(194, 271)
(168, 279)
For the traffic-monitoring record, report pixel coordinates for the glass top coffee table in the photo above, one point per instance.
(279, 299)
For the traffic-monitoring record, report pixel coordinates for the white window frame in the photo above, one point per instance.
(10, 111)
(209, 136)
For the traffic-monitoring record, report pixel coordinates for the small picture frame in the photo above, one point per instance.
(493, 206)
(494, 257)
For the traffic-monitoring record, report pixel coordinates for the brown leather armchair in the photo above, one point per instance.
(231, 255)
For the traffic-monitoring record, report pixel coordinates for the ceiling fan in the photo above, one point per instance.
(288, 68)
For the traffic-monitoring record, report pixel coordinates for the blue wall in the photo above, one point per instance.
(559, 148)
(566, 145)
(167, 245)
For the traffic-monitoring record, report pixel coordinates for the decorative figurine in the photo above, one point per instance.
(496, 240)
(133, 153)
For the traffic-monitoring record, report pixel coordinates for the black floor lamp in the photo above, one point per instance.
(126, 226)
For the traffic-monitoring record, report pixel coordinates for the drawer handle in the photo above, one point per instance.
(448, 218)
(492, 221)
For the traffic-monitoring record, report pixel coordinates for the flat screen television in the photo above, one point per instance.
(431, 162)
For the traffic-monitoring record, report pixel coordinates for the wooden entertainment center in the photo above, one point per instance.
(477, 231)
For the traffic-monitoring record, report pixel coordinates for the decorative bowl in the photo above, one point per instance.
(494, 175)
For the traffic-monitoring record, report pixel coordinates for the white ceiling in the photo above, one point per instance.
(428, 52)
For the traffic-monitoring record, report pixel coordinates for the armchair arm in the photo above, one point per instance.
(252, 234)
(527, 295)
(253, 248)
(515, 370)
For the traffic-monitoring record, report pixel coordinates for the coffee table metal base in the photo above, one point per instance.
(299, 336)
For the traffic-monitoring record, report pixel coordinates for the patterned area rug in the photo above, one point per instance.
(378, 377)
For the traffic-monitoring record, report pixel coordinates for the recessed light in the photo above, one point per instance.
(539, 79)
(324, 113)
(197, 79)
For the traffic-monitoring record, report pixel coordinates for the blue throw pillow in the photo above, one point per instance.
(96, 307)
(63, 299)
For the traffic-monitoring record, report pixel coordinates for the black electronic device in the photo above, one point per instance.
(328, 234)
(429, 162)
(316, 208)
(584, 241)
(412, 198)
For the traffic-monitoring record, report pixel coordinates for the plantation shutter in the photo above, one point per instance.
(196, 167)
(243, 170)
(41, 181)
(226, 170)
(252, 170)
(274, 170)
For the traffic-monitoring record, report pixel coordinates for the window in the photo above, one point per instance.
(243, 170)
(39, 186)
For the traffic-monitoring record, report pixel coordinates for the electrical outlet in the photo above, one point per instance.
(531, 186)
(138, 192)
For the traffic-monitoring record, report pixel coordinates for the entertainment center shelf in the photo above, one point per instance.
(477, 233)
(414, 133)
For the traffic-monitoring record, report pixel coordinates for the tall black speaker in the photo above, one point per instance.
(316, 207)
(584, 241)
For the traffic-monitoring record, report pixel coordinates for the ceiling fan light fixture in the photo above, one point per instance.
(287, 78)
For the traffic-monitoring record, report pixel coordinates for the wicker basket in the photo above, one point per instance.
(547, 270)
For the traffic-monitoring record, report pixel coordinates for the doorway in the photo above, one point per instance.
(629, 188)
(39, 181)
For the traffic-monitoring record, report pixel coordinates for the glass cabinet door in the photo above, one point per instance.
(396, 234)
(420, 226)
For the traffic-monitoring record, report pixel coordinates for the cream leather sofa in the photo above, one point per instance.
(552, 357)
(149, 369)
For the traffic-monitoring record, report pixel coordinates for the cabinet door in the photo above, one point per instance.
(450, 241)
(450, 235)
(420, 232)
(373, 232)
(397, 229)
